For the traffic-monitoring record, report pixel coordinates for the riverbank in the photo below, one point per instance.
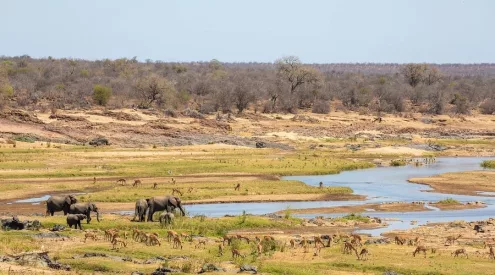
(472, 183)
(383, 207)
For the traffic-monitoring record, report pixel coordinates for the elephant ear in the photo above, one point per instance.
(68, 200)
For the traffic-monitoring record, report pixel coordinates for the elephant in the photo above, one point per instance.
(59, 203)
(85, 208)
(75, 219)
(167, 203)
(140, 210)
(166, 218)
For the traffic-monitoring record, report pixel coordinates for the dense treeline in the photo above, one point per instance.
(284, 86)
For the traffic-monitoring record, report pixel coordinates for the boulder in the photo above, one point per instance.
(99, 141)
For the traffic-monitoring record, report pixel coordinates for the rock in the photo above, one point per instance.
(99, 141)
(391, 273)
(34, 258)
(210, 268)
(48, 235)
(260, 144)
(13, 224)
(249, 268)
(57, 227)
(163, 271)
(377, 241)
(137, 273)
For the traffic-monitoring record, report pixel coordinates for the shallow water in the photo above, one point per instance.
(382, 184)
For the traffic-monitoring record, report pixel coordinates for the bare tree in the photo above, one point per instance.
(153, 89)
(414, 73)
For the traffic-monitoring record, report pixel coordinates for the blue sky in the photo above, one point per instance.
(318, 31)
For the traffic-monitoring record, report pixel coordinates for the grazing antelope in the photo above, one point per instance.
(329, 242)
(136, 182)
(413, 242)
(135, 234)
(171, 235)
(155, 185)
(175, 190)
(318, 241)
(177, 242)
(419, 249)
(185, 236)
(399, 240)
(348, 248)
(90, 235)
(356, 237)
(153, 240)
(237, 187)
(117, 241)
(305, 245)
(243, 238)
(173, 181)
(121, 182)
(236, 253)
(356, 243)
(458, 252)
(451, 239)
(110, 234)
(268, 238)
(201, 241)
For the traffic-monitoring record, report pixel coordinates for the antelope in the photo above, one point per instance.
(419, 249)
(185, 236)
(220, 249)
(136, 233)
(348, 248)
(90, 235)
(488, 243)
(153, 240)
(451, 239)
(136, 182)
(155, 185)
(318, 241)
(236, 253)
(458, 252)
(94, 180)
(317, 249)
(118, 241)
(304, 243)
(356, 243)
(292, 243)
(177, 242)
(228, 239)
(237, 187)
(173, 181)
(121, 182)
(413, 242)
(268, 238)
(201, 241)
(243, 238)
(491, 253)
(363, 255)
(329, 243)
(190, 189)
(259, 248)
(399, 240)
(171, 235)
(110, 234)
(175, 190)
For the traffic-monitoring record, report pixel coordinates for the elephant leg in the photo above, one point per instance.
(150, 214)
(169, 209)
(88, 219)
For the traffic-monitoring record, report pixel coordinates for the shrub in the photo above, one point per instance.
(449, 201)
(488, 107)
(321, 107)
(101, 94)
(397, 162)
(6, 90)
(488, 164)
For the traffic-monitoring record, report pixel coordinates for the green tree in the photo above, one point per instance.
(101, 94)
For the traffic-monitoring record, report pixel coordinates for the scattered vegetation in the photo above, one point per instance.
(449, 201)
(488, 164)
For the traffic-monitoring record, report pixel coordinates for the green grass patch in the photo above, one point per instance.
(449, 201)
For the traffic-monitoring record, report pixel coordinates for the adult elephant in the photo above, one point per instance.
(140, 210)
(59, 203)
(86, 209)
(163, 203)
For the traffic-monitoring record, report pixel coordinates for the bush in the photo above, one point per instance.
(488, 107)
(101, 94)
(488, 164)
(321, 107)
(449, 201)
(6, 90)
(398, 162)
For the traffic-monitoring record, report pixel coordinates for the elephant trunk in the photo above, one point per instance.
(182, 210)
(98, 216)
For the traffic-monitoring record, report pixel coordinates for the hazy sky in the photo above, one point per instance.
(318, 31)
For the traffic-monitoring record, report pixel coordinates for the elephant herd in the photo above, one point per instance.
(144, 208)
(147, 207)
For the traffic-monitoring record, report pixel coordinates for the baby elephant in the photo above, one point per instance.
(75, 220)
